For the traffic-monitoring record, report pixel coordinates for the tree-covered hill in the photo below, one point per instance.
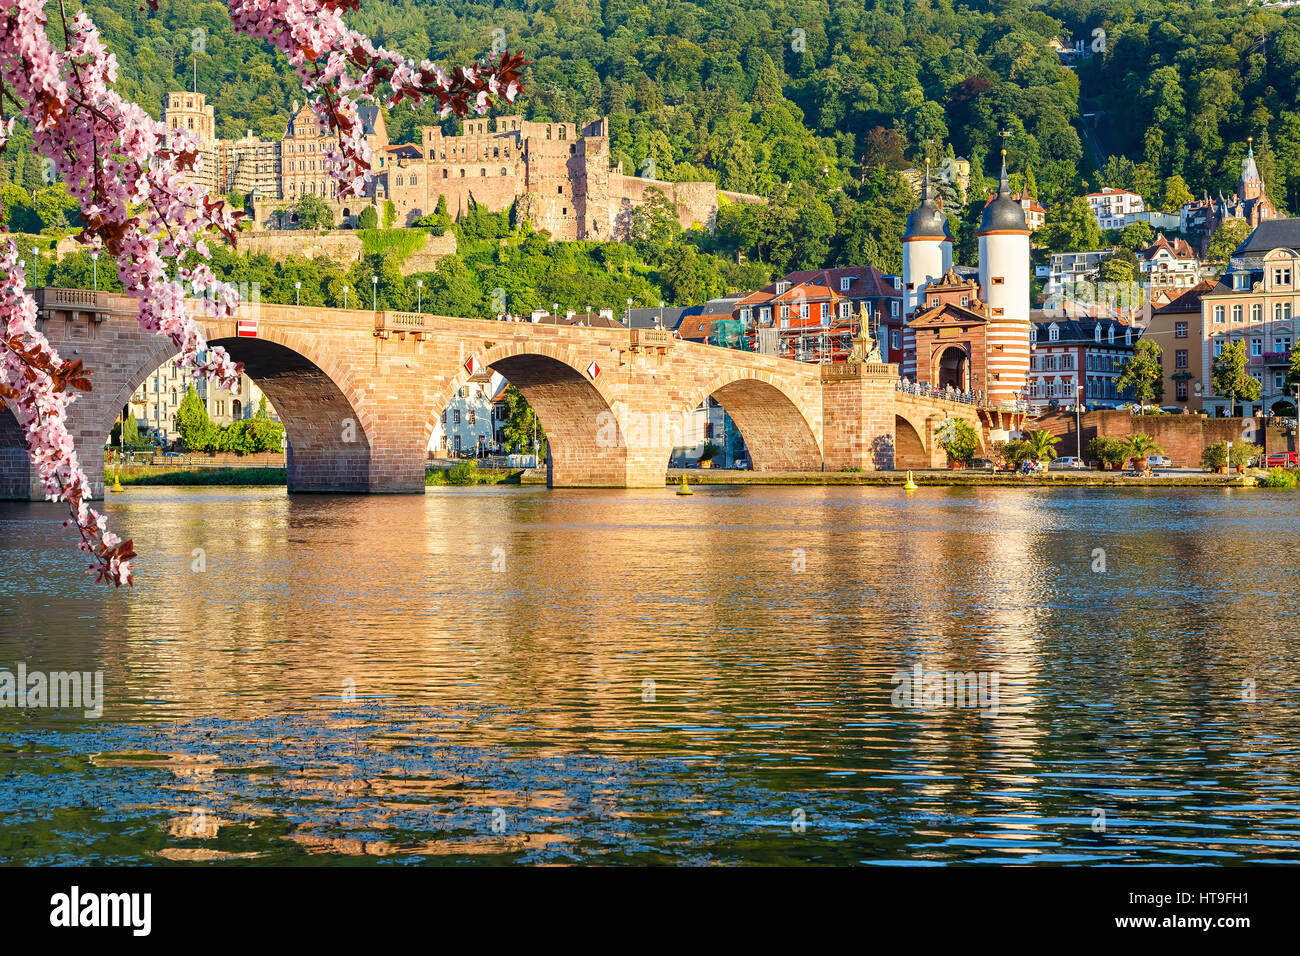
(757, 94)
(813, 104)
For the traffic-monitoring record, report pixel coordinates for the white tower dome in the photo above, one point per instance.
(927, 255)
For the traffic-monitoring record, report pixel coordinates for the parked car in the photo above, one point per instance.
(741, 464)
(988, 464)
(1068, 462)
(1159, 461)
(1283, 459)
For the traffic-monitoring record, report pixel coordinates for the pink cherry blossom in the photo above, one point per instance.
(129, 172)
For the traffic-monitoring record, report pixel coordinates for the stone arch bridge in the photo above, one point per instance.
(359, 392)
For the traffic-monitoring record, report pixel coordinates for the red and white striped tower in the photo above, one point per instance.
(1004, 286)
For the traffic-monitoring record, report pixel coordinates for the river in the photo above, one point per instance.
(520, 675)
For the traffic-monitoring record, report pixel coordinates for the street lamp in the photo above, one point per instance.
(94, 269)
(345, 297)
(1078, 422)
(629, 313)
(297, 293)
(374, 293)
(35, 278)
(661, 313)
(419, 295)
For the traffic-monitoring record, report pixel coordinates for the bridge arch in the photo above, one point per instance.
(326, 424)
(772, 419)
(910, 449)
(586, 438)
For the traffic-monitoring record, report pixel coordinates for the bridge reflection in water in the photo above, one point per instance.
(355, 676)
(359, 392)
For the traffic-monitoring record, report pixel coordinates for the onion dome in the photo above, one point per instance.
(1003, 214)
(927, 221)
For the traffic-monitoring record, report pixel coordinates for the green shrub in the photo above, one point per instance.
(1216, 455)
(1012, 453)
(466, 473)
(710, 451)
(1280, 478)
(399, 242)
(958, 438)
(1109, 451)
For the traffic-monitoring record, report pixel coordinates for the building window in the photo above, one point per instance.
(1180, 358)
(1218, 347)
(1180, 330)
(1220, 314)
(999, 280)
(456, 417)
(1257, 312)
(1180, 391)
(1282, 276)
(1237, 313)
(896, 338)
(1282, 311)
(472, 417)
(845, 282)
(1256, 347)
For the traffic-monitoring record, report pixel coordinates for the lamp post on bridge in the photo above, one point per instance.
(374, 293)
(94, 270)
(419, 295)
(1078, 422)
(345, 297)
(36, 282)
(297, 292)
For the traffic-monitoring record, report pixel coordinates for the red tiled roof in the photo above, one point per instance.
(696, 326)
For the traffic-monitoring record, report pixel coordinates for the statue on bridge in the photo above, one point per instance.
(866, 347)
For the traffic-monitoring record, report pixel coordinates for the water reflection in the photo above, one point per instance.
(512, 674)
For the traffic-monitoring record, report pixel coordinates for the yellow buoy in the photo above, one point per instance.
(684, 488)
(117, 483)
(910, 485)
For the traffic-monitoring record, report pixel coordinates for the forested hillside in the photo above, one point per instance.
(815, 104)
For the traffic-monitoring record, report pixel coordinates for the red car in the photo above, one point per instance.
(1284, 459)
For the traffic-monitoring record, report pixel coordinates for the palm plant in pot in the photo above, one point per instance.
(1139, 447)
(1040, 446)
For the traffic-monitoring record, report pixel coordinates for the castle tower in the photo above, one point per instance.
(190, 113)
(1004, 286)
(927, 255)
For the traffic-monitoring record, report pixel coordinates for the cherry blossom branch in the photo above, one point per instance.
(133, 179)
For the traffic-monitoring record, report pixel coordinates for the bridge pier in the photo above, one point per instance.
(858, 416)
